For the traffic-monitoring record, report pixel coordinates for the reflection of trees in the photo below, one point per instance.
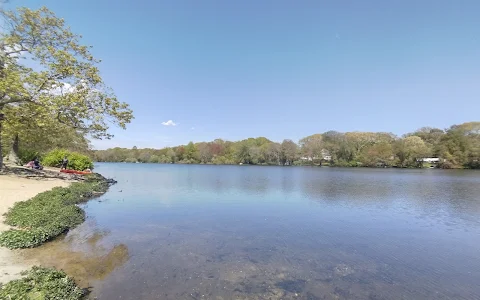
(437, 194)
(430, 191)
(93, 262)
(451, 197)
(288, 183)
(346, 185)
(220, 179)
(256, 182)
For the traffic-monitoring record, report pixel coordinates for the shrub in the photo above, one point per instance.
(130, 160)
(76, 161)
(222, 160)
(473, 164)
(27, 155)
(42, 283)
(49, 214)
(344, 163)
(446, 165)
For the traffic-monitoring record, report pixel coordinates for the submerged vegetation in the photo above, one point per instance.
(455, 147)
(42, 283)
(50, 213)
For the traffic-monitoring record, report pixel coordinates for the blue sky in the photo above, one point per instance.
(281, 69)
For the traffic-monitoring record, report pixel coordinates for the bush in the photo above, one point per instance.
(49, 214)
(27, 155)
(222, 160)
(76, 161)
(42, 283)
(446, 165)
(473, 164)
(344, 163)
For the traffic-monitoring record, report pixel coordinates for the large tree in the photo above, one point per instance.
(312, 147)
(40, 136)
(46, 72)
(410, 150)
(460, 146)
(288, 152)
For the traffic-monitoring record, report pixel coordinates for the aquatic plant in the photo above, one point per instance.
(42, 283)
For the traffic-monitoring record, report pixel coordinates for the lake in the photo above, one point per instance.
(246, 232)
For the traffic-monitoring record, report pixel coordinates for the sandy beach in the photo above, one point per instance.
(14, 189)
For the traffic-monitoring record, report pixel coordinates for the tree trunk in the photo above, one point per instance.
(1, 154)
(13, 155)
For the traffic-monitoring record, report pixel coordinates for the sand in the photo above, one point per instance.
(14, 189)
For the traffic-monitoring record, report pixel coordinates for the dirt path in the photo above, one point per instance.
(14, 189)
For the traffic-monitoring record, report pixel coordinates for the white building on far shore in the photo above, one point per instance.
(429, 160)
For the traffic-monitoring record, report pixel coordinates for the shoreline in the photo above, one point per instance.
(15, 189)
(40, 211)
(288, 166)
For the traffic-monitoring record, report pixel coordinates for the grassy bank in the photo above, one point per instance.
(38, 220)
(42, 283)
(49, 214)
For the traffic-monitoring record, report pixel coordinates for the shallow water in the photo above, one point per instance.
(241, 232)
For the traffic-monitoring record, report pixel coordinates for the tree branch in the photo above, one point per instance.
(74, 124)
(17, 100)
(22, 49)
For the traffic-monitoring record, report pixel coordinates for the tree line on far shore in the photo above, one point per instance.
(455, 147)
(63, 101)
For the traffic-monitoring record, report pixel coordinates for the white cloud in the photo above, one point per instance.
(193, 128)
(169, 123)
(61, 89)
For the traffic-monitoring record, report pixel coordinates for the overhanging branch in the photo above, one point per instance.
(17, 100)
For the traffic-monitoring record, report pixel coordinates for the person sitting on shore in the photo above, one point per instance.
(64, 163)
(36, 164)
(30, 164)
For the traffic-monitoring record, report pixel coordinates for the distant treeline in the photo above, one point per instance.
(455, 147)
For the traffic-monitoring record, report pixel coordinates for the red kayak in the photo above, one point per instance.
(75, 172)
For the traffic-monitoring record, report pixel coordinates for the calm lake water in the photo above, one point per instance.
(243, 232)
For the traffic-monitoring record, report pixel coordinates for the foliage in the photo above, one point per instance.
(378, 155)
(312, 147)
(344, 163)
(42, 283)
(461, 145)
(64, 91)
(288, 152)
(457, 147)
(27, 155)
(49, 214)
(76, 161)
(43, 134)
(409, 150)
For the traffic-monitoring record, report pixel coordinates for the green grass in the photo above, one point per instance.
(42, 284)
(49, 214)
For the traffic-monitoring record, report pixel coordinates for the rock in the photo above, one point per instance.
(343, 270)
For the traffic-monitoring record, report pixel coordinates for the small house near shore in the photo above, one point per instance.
(325, 155)
(432, 160)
